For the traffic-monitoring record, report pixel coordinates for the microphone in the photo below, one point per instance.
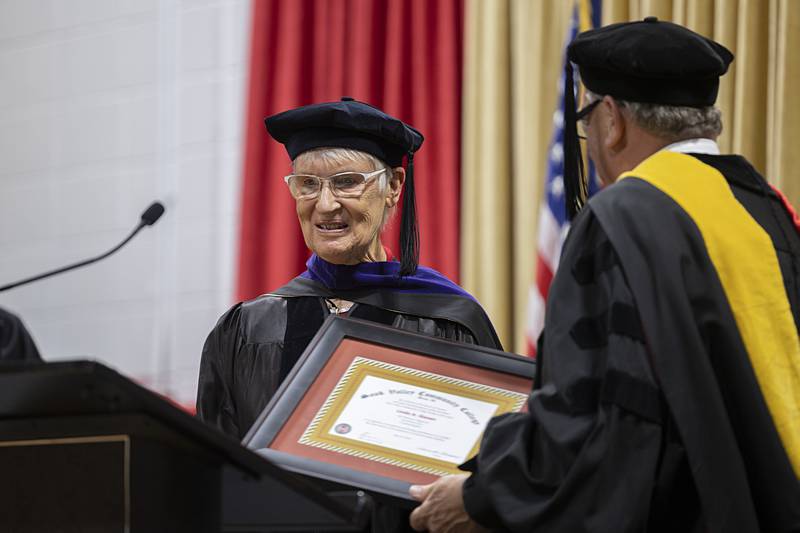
(149, 217)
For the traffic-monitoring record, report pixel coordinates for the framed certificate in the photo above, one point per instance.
(380, 409)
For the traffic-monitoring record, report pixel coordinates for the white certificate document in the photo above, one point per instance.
(405, 417)
(413, 419)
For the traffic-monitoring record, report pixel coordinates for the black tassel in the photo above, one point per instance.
(576, 189)
(409, 233)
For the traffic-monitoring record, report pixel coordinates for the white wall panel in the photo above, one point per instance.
(106, 105)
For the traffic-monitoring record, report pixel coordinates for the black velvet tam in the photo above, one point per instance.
(651, 61)
(344, 124)
(358, 126)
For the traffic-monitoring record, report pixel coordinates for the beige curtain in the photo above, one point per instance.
(758, 96)
(512, 65)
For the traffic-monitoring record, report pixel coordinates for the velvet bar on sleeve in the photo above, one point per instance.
(590, 443)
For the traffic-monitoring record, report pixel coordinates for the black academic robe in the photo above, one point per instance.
(16, 343)
(255, 344)
(646, 414)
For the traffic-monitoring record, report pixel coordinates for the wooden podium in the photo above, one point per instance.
(83, 449)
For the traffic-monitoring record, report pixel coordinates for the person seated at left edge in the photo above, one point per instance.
(16, 344)
(346, 180)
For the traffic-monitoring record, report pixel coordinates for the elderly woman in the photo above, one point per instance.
(346, 180)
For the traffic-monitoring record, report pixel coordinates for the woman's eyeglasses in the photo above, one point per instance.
(343, 185)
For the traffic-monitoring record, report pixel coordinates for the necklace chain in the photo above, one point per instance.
(337, 306)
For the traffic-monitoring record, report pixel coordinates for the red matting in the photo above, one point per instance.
(289, 435)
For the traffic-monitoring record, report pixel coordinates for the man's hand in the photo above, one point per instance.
(442, 509)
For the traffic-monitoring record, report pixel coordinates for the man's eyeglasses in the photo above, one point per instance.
(343, 185)
(583, 114)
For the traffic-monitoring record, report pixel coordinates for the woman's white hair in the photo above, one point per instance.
(672, 122)
(339, 156)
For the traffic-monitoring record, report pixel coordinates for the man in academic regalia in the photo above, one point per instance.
(668, 393)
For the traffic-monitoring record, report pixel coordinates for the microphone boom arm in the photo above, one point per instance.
(149, 217)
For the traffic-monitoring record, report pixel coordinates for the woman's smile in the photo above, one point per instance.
(332, 228)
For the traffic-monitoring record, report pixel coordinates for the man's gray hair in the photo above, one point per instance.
(672, 122)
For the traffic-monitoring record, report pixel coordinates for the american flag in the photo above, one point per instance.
(553, 224)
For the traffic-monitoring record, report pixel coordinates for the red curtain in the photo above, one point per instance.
(403, 56)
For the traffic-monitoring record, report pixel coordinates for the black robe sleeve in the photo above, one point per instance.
(16, 343)
(243, 360)
(215, 404)
(585, 456)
